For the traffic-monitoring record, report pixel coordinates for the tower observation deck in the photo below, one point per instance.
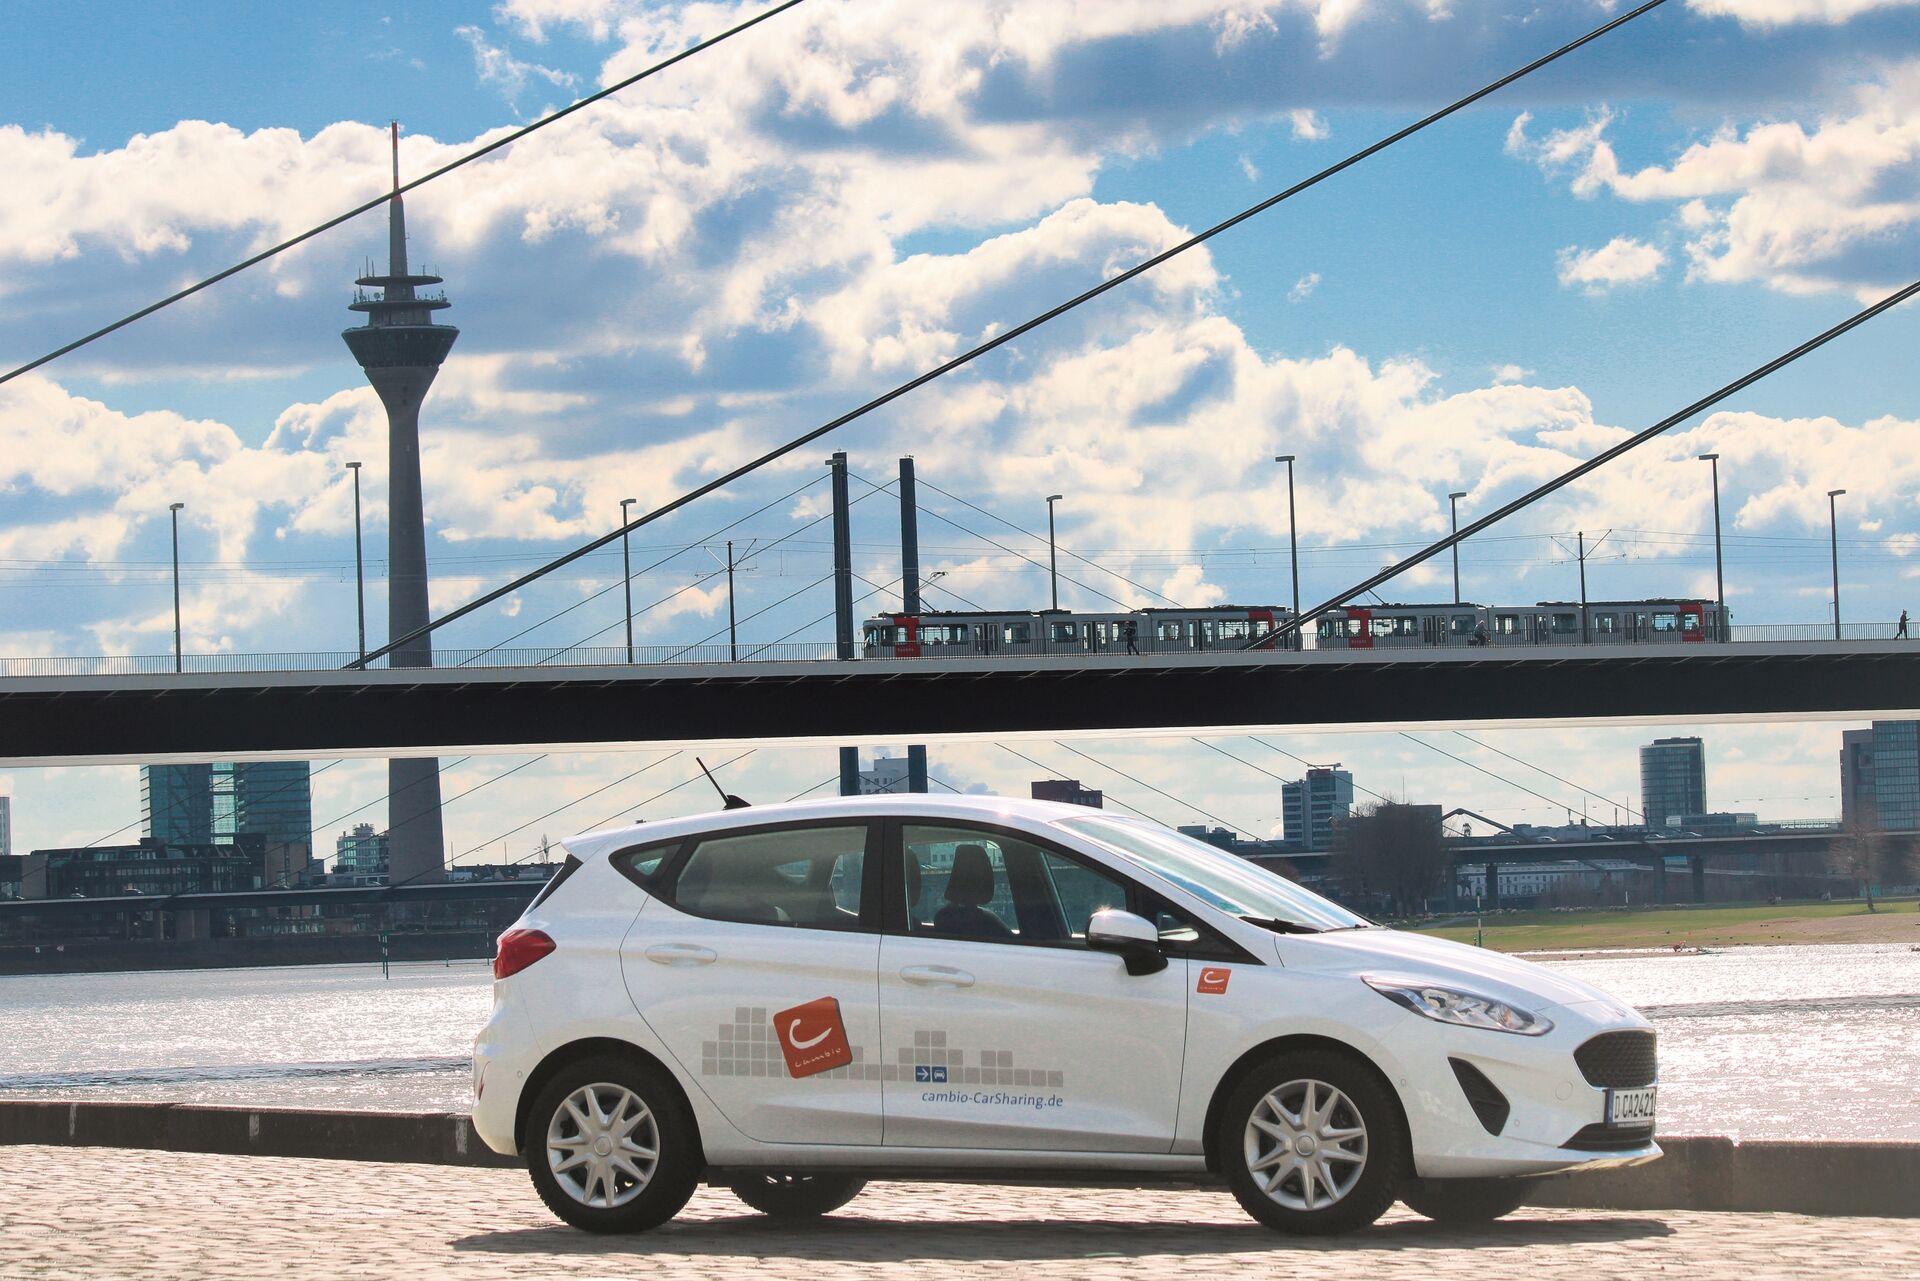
(401, 349)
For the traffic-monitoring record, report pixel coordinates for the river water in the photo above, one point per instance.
(1805, 1042)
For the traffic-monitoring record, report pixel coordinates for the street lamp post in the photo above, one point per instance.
(359, 565)
(175, 509)
(626, 572)
(1453, 503)
(1053, 550)
(1719, 571)
(1293, 532)
(1833, 536)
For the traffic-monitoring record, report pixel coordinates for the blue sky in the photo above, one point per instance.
(772, 232)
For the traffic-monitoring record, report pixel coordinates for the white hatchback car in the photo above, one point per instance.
(789, 1000)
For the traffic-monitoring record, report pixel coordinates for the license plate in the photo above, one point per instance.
(1630, 1107)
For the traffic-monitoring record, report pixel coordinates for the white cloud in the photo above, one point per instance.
(1307, 125)
(1801, 209)
(1510, 373)
(1303, 288)
(1621, 261)
(1779, 13)
(506, 73)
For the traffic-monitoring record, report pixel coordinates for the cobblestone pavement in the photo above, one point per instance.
(100, 1212)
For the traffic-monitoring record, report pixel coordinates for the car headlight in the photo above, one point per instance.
(1463, 1009)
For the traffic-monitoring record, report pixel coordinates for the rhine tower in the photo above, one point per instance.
(401, 349)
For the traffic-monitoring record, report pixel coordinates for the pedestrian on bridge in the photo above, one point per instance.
(1133, 634)
(1901, 634)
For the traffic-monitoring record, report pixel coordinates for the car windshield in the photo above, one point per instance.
(1231, 884)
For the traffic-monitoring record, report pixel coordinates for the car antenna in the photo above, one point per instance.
(732, 802)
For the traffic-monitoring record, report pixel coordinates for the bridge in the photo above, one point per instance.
(52, 720)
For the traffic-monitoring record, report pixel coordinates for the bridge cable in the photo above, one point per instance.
(1215, 747)
(1746, 380)
(1151, 788)
(690, 779)
(662, 760)
(1008, 335)
(1068, 552)
(1461, 760)
(928, 511)
(1048, 769)
(178, 801)
(400, 190)
(1521, 760)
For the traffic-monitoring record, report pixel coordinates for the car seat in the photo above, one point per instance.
(969, 890)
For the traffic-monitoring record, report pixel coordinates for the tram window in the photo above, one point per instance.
(1234, 629)
(1065, 632)
(878, 636)
(1565, 625)
(944, 634)
(1406, 627)
(1606, 624)
(1356, 627)
(1506, 624)
(1016, 633)
(1463, 624)
(1171, 630)
(1666, 622)
(1689, 622)
(1328, 628)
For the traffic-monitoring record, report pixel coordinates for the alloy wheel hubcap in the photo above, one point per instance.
(1306, 1145)
(603, 1145)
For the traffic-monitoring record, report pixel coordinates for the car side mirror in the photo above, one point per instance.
(1134, 939)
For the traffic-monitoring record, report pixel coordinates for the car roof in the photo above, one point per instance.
(914, 804)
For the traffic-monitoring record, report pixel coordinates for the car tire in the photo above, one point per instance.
(1329, 1125)
(610, 1146)
(1465, 1200)
(796, 1196)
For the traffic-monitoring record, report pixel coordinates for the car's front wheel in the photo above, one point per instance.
(1465, 1200)
(610, 1146)
(796, 1196)
(1311, 1143)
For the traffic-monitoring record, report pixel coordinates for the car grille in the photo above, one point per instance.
(1618, 1060)
(1610, 1138)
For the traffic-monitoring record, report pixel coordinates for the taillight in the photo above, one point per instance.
(518, 950)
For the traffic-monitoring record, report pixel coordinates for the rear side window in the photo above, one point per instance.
(804, 876)
(639, 863)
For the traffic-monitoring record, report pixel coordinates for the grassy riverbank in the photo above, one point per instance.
(1897, 921)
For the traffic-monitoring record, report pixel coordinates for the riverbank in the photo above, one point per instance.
(1668, 928)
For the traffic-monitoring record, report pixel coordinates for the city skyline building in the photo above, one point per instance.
(1309, 806)
(1068, 791)
(6, 826)
(360, 852)
(1858, 805)
(176, 804)
(205, 804)
(1673, 780)
(1896, 775)
(401, 349)
(887, 776)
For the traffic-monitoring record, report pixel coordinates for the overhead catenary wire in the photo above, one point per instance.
(1008, 335)
(1138, 782)
(1599, 460)
(1048, 769)
(1521, 760)
(400, 190)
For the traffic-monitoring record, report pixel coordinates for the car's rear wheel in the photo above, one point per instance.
(1311, 1143)
(610, 1146)
(796, 1196)
(1464, 1200)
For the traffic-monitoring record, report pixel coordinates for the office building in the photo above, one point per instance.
(1068, 791)
(1309, 806)
(400, 349)
(887, 776)
(1896, 775)
(188, 805)
(1673, 780)
(150, 867)
(360, 852)
(1857, 801)
(6, 826)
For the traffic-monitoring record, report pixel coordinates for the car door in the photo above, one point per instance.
(755, 967)
(1000, 1028)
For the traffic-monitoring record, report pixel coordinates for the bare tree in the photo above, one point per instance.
(1861, 851)
(1391, 853)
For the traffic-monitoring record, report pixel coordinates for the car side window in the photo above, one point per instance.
(800, 876)
(970, 883)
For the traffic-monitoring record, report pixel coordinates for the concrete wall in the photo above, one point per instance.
(1875, 1179)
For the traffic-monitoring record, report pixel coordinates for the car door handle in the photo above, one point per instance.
(936, 976)
(681, 954)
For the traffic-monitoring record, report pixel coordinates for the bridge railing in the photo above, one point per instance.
(329, 660)
(1811, 631)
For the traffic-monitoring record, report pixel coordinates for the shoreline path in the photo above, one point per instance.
(99, 1212)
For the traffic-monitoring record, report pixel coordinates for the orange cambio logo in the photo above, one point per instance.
(812, 1037)
(1213, 980)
